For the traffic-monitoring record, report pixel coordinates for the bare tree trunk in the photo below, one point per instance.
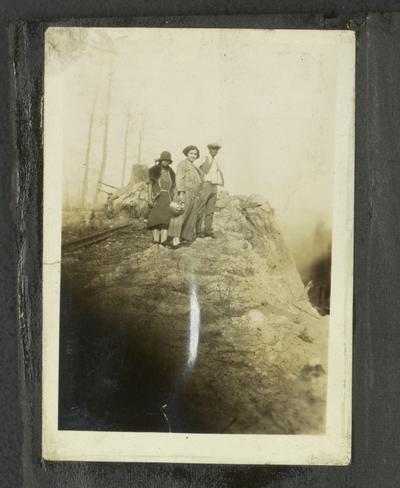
(141, 134)
(85, 184)
(125, 149)
(105, 139)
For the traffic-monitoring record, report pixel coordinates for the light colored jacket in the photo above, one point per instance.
(188, 177)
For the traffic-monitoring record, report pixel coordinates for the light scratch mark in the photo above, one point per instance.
(163, 408)
(194, 327)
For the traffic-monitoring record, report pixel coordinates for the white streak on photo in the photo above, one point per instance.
(194, 327)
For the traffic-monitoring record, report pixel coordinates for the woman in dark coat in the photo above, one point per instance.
(188, 184)
(161, 192)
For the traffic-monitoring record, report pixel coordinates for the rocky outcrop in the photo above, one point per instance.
(216, 337)
(226, 320)
(246, 267)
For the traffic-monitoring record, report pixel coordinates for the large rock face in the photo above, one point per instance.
(229, 321)
(246, 267)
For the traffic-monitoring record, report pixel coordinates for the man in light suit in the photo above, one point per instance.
(213, 177)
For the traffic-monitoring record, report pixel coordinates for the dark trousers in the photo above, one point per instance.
(208, 199)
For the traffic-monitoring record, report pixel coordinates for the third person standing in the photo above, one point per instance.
(213, 177)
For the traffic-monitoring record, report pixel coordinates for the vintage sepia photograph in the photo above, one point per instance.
(198, 245)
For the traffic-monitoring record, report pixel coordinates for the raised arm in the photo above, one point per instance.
(205, 166)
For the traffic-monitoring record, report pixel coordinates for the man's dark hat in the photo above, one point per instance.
(165, 156)
(190, 148)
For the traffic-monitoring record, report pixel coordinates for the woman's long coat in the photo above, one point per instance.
(163, 192)
(188, 180)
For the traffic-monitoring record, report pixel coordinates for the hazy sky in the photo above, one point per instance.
(269, 97)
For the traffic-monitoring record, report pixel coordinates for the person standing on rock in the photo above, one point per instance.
(213, 177)
(188, 185)
(161, 192)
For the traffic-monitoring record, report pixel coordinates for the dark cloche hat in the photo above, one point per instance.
(190, 148)
(165, 156)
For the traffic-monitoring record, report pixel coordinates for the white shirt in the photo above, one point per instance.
(214, 175)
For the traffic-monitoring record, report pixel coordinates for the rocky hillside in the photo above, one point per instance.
(226, 322)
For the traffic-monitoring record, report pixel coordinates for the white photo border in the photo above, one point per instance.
(333, 448)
